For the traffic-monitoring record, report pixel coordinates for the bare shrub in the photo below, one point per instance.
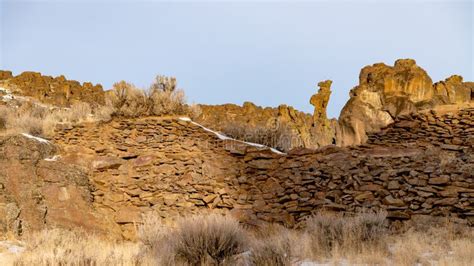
(329, 232)
(163, 83)
(196, 240)
(271, 246)
(279, 137)
(164, 102)
(162, 98)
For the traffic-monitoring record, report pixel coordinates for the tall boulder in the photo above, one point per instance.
(320, 102)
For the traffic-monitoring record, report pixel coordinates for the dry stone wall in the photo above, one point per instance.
(174, 168)
(112, 173)
(167, 166)
(421, 165)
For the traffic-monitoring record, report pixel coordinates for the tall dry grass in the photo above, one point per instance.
(59, 247)
(217, 240)
(39, 120)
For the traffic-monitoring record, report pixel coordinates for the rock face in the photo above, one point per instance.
(37, 192)
(56, 91)
(385, 92)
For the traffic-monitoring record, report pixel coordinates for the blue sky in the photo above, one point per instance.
(230, 52)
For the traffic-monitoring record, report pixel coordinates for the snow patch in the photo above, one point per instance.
(224, 137)
(7, 91)
(12, 247)
(52, 159)
(7, 97)
(35, 138)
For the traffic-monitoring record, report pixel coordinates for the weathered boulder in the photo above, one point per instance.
(386, 92)
(453, 90)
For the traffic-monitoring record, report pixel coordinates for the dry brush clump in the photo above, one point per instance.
(39, 120)
(328, 233)
(196, 240)
(161, 98)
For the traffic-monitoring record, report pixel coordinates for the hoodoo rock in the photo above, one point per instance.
(320, 102)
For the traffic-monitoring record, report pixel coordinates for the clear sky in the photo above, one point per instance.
(230, 52)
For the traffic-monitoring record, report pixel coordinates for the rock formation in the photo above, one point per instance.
(57, 91)
(385, 92)
(320, 102)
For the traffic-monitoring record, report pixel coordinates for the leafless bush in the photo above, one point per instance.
(279, 137)
(163, 83)
(332, 231)
(162, 98)
(196, 240)
(272, 246)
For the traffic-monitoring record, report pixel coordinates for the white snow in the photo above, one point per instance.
(52, 159)
(7, 97)
(35, 138)
(7, 91)
(223, 137)
(12, 247)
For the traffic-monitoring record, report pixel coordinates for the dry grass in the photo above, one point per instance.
(279, 137)
(62, 247)
(329, 234)
(217, 240)
(39, 120)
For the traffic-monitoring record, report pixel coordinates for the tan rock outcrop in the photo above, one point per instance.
(36, 191)
(57, 91)
(386, 92)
